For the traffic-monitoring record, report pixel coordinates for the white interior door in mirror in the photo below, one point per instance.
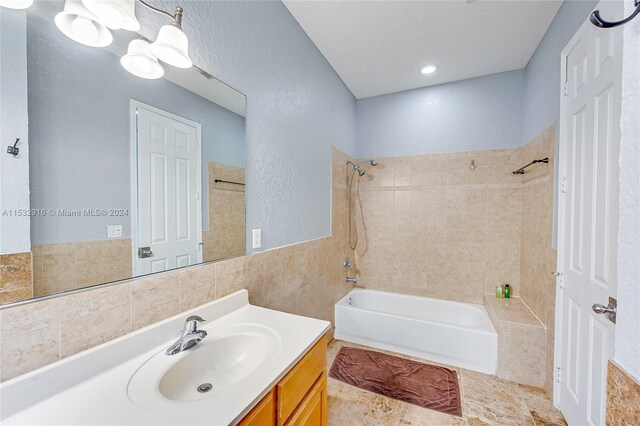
(168, 214)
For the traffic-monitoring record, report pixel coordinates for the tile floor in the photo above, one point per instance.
(486, 400)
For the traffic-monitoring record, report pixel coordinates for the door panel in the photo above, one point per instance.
(588, 222)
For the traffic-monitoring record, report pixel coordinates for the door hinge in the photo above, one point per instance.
(560, 278)
(563, 185)
(558, 375)
(565, 88)
(197, 195)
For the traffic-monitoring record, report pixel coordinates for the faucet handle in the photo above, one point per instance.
(197, 319)
(191, 324)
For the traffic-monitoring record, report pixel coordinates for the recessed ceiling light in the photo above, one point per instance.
(429, 69)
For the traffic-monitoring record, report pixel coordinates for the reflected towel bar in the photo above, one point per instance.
(520, 171)
(228, 181)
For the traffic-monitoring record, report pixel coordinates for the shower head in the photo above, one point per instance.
(359, 167)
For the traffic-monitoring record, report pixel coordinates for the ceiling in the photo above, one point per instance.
(379, 47)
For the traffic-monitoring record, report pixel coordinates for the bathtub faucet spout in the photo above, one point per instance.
(351, 280)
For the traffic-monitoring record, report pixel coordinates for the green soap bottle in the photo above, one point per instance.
(507, 291)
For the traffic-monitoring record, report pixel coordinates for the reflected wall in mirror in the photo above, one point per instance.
(116, 176)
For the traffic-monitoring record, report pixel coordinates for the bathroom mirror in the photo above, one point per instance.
(119, 176)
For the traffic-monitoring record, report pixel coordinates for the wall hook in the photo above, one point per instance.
(472, 166)
(14, 150)
(597, 20)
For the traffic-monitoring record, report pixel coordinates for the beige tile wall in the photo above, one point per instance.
(623, 398)
(305, 279)
(538, 257)
(436, 228)
(226, 234)
(15, 277)
(68, 266)
(521, 341)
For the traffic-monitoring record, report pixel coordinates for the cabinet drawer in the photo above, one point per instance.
(263, 414)
(292, 389)
(313, 409)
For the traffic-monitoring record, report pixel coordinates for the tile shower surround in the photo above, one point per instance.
(433, 227)
(305, 279)
(226, 234)
(437, 228)
(538, 257)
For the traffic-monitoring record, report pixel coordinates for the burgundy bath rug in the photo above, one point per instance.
(410, 381)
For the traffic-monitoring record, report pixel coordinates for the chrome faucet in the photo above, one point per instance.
(351, 280)
(190, 336)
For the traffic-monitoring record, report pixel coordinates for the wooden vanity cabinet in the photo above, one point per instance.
(262, 414)
(300, 398)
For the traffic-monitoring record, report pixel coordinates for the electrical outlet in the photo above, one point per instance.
(114, 231)
(256, 235)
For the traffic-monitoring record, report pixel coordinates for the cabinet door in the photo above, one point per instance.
(313, 410)
(293, 388)
(263, 414)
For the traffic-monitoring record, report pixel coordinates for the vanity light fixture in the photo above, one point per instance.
(16, 4)
(88, 23)
(77, 23)
(120, 14)
(140, 62)
(429, 69)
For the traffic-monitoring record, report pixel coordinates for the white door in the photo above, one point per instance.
(588, 219)
(168, 186)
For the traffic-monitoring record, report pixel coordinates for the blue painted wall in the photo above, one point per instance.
(297, 107)
(542, 74)
(542, 80)
(468, 115)
(496, 111)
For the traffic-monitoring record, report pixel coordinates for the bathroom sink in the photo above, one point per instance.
(226, 357)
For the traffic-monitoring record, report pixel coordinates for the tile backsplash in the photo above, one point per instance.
(15, 277)
(68, 266)
(305, 278)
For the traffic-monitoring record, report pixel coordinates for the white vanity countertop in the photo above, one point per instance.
(91, 387)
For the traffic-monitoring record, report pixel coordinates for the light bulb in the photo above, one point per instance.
(84, 28)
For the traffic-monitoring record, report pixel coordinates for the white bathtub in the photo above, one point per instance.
(454, 333)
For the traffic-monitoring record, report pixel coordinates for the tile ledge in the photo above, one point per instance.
(489, 297)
